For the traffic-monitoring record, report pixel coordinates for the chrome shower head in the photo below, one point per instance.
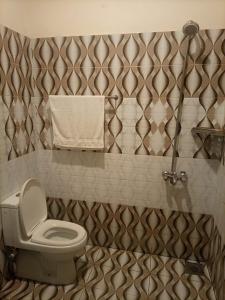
(190, 28)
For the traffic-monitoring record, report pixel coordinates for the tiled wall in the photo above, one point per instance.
(17, 156)
(128, 179)
(136, 228)
(144, 70)
(17, 159)
(217, 248)
(216, 263)
(15, 93)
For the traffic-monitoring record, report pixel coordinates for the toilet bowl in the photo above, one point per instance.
(46, 248)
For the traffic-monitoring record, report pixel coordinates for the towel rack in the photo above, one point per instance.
(115, 97)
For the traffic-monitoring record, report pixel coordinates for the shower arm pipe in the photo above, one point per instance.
(180, 106)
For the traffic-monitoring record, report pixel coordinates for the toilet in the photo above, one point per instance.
(46, 248)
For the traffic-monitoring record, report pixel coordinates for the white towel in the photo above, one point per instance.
(78, 121)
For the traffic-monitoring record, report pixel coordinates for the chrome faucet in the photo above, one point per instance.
(173, 177)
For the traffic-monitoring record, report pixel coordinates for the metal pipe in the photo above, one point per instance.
(190, 29)
(180, 106)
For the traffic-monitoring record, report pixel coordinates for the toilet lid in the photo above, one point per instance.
(32, 206)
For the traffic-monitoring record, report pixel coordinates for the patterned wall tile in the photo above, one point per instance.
(145, 66)
(42, 123)
(3, 143)
(15, 47)
(216, 264)
(205, 81)
(16, 67)
(119, 50)
(145, 71)
(17, 114)
(134, 228)
(16, 91)
(16, 81)
(208, 47)
(2, 259)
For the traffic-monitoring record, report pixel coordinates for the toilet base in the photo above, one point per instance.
(47, 268)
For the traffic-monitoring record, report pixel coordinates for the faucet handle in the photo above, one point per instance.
(183, 176)
(174, 177)
(165, 175)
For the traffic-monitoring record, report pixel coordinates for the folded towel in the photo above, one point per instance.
(78, 121)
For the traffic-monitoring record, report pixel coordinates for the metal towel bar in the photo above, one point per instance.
(115, 97)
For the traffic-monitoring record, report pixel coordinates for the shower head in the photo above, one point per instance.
(190, 28)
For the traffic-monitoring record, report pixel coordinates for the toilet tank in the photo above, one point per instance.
(10, 220)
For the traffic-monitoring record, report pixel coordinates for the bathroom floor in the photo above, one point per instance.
(105, 273)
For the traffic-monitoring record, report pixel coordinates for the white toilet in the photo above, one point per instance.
(46, 247)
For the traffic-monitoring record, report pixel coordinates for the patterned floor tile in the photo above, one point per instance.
(180, 288)
(41, 291)
(16, 289)
(47, 292)
(89, 257)
(102, 295)
(135, 261)
(167, 266)
(106, 282)
(110, 274)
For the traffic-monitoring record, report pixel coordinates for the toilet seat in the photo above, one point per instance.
(32, 206)
(52, 236)
(58, 233)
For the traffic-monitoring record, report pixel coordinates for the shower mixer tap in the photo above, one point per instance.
(173, 177)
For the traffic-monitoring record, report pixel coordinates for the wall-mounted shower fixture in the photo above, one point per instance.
(173, 177)
(190, 29)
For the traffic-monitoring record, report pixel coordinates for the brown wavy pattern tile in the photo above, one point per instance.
(143, 126)
(154, 231)
(121, 50)
(43, 125)
(205, 81)
(16, 67)
(180, 288)
(162, 266)
(16, 289)
(18, 126)
(126, 82)
(2, 279)
(16, 91)
(156, 134)
(206, 48)
(15, 47)
(16, 81)
(111, 283)
(24, 289)
(111, 274)
(216, 264)
(145, 66)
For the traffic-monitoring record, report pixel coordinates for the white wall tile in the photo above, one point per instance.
(129, 179)
(15, 172)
